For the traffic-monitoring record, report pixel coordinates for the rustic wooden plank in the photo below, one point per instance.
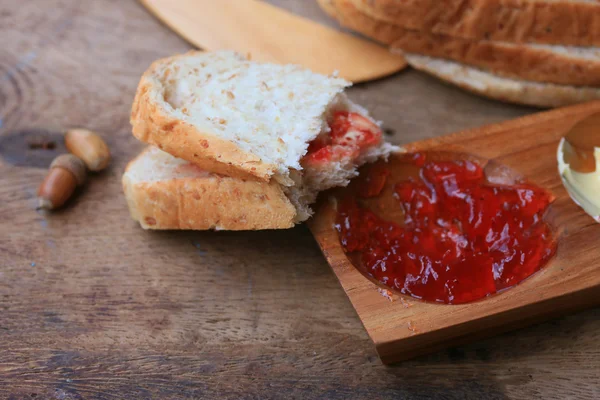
(109, 311)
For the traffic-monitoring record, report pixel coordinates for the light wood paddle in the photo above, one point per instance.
(271, 34)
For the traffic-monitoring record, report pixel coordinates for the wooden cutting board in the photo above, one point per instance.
(271, 34)
(404, 327)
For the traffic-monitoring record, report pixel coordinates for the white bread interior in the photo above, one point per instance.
(230, 115)
(313, 179)
(500, 88)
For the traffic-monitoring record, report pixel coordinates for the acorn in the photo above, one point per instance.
(66, 173)
(89, 147)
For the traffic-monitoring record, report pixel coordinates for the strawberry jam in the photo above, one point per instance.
(349, 134)
(453, 236)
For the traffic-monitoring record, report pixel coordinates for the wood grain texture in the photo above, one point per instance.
(108, 311)
(402, 327)
(270, 34)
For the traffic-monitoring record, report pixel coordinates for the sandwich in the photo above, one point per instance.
(241, 145)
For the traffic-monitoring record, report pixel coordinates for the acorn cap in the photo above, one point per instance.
(72, 164)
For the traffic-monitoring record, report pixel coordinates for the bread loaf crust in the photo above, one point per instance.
(534, 63)
(211, 202)
(535, 21)
(153, 124)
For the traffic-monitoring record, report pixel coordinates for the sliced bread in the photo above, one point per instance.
(165, 192)
(274, 124)
(564, 22)
(505, 89)
(541, 63)
(229, 115)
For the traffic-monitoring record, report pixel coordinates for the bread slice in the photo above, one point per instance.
(541, 63)
(229, 115)
(563, 22)
(165, 192)
(499, 88)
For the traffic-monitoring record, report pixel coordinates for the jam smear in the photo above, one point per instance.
(460, 238)
(349, 134)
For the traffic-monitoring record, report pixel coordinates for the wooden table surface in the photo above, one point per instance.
(93, 307)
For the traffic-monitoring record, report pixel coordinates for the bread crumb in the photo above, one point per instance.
(230, 95)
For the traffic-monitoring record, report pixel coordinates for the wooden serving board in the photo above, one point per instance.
(403, 327)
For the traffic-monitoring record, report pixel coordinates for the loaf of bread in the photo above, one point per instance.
(504, 61)
(250, 126)
(564, 65)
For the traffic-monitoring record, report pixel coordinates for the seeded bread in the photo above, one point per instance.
(504, 89)
(165, 192)
(541, 63)
(563, 22)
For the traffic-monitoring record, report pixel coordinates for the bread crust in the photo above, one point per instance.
(503, 89)
(506, 59)
(211, 202)
(153, 124)
(519, 21)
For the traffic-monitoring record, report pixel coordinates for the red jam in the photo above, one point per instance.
(458, 238)
(349, 134)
